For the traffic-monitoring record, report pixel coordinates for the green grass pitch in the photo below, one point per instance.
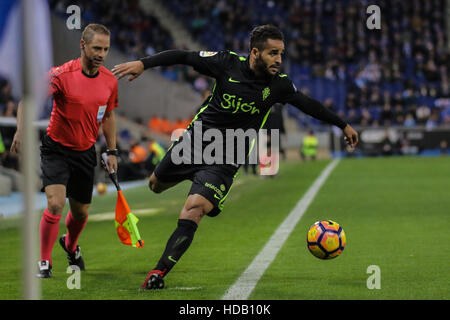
(394, 212)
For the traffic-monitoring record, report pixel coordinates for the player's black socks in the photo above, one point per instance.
(178, 243)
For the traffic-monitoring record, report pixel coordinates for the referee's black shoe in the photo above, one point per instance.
(74, 258)
(45, 269)
(154, 280)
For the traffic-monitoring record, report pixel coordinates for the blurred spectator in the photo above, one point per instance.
(387, 146)
(309, 146)
(10, 109)
(2, 145)
(154, 123)
(409, 121)
(443, 147)
(156, 154)
(134, 168)
(433, 120)
(366, 118)
(276, 121)
(398, 113)
(353, 117)
(422, 114)
(406, 148)
(137, 153)
(5, 92)
(165, 126)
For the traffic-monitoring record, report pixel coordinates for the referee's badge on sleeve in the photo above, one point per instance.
(101, 113)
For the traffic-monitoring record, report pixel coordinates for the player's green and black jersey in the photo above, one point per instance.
(239, 99)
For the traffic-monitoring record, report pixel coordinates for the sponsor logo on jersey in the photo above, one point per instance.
(207, 53)
(234, 103)
(101, 113)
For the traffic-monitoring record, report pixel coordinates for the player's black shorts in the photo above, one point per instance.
(74, 169)
(211, 181)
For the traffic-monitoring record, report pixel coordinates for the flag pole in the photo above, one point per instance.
(31, 289)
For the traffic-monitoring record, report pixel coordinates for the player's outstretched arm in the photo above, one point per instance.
(317, 110)
(17, 140)
(164, 58)
(134, 69)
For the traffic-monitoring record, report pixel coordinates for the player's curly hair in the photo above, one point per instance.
(260, 34)
(93, 28)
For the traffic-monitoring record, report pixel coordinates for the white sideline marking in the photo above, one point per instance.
(245, 284)
(112, 215)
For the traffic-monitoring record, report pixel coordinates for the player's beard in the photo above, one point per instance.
(261, 67)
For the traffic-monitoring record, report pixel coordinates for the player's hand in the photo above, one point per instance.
(17, 142)
(350, 136)
(133, 68)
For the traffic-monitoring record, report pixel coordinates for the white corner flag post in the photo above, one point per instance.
(31, 289)
(37, 59)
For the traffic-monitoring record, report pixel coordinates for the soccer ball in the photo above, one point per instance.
(101, 188)
(326, 239)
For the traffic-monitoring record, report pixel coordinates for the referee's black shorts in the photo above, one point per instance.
(74, 169)
(211, 181)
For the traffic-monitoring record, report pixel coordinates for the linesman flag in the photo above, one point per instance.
(125, 220)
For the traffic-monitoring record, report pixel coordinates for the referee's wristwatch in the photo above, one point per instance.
(113, 152)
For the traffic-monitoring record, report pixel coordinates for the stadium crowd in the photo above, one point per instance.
(133, 31)
(398, 75)
(8, 109)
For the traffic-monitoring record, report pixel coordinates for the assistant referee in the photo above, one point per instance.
(85, 95)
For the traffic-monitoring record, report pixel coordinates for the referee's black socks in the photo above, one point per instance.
(178, 243)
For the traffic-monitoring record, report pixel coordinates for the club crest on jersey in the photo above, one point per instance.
(207, 53)
(265, 93)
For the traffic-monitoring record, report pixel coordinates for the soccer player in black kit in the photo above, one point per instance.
(244, 92)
